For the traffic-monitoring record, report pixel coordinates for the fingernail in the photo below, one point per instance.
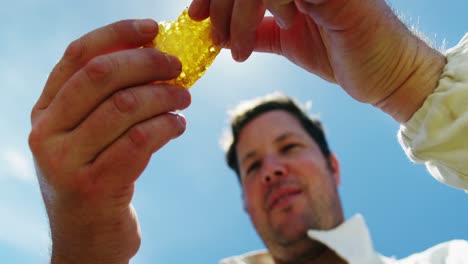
(146, 26)
(182, 125)
(235, 51)
(182, 121)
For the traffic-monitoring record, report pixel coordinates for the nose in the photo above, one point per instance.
(273, 170)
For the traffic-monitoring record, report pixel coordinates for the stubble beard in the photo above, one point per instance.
(294, 248)
(299, 247)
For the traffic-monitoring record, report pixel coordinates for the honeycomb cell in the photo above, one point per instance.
(191, 42)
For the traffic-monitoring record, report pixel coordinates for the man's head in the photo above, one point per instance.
(288, 175)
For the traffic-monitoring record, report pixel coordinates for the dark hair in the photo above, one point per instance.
(246, 111)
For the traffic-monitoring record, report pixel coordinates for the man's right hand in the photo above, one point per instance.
(94, 129)
(359, 44)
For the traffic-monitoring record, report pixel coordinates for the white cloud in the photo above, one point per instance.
(23, 223)
(18, 164)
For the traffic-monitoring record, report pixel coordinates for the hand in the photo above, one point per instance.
(361, 45)
(94, 129)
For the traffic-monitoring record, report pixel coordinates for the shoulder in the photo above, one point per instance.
(450, 252)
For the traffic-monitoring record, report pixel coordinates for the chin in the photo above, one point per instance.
(290, 243)
(286, 236)
(290, 229)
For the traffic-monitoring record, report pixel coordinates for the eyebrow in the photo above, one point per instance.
(280, 138)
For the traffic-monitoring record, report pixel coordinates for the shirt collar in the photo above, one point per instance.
(350, 240)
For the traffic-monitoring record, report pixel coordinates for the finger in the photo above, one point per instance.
(339, 15)
(120, 35)
(284, 11)
(314, 2)
(246, 17)
(220, 14)
(123, 162)
(199, 9)
(103, 76)
(122, 111)
(268, 37)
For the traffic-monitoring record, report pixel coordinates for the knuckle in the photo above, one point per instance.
(180, 98)
(170, 64)
(50, 148)
(138, 136)
(125, 101)
(33, 115)
(37, 136)
(170, 98)
(35, 139)
(99, 69)
(165, 96)
(75, 50)
(158, 58)
(167, 127)
(117, 27)
(155, 133)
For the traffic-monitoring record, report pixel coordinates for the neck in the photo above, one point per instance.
(327, 256)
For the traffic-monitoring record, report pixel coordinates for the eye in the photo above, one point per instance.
(252, 167)
(289, 147)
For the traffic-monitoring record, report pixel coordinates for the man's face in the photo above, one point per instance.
(288, 186)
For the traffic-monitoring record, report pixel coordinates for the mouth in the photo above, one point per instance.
(282, 197)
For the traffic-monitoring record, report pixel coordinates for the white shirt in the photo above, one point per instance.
(437, 135)
(352, 242)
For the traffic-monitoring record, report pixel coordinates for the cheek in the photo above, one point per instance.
(257, 216)
(253, 200)
(249, 196)
(306, 167)
(312, 175)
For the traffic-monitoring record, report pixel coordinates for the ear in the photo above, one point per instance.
(335, 164)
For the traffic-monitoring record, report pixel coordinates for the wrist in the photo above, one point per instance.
(94, 238)
(82, 248)
(420, 82)
(67, 252)
(59, 258)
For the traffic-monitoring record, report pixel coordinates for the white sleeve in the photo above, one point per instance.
(437, 134)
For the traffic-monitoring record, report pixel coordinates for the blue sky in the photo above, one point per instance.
(188, 202)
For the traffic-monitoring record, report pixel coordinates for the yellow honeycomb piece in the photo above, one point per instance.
(191, 42)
